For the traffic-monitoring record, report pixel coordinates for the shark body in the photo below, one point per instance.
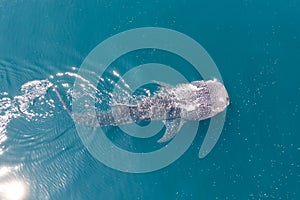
(174, 105)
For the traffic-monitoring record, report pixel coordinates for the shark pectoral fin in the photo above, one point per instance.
(166, 85)
(122, 104)
(173, 126)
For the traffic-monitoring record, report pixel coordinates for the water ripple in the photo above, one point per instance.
(40, 152)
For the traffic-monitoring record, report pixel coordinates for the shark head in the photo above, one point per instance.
(218, 96)
(207, 99)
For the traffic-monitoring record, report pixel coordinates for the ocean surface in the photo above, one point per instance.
(44, 47)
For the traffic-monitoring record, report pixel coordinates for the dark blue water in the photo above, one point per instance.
(255, 45)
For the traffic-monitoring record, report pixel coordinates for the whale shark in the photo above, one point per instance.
(173, 105)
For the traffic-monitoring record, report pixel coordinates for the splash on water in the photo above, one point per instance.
(37, 98)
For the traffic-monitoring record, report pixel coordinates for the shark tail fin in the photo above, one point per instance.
(61, 100)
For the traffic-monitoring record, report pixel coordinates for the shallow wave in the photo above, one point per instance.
(38, 140)
(40, 152)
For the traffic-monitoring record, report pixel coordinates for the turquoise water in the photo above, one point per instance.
(255, 46)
